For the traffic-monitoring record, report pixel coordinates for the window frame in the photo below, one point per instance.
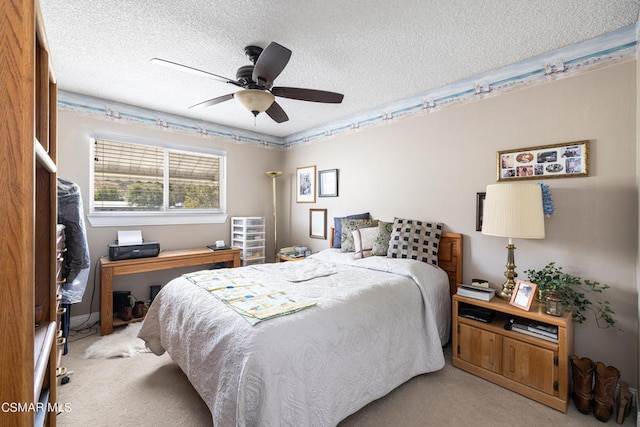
(171, 217)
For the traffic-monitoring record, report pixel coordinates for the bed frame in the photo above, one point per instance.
(449, 257)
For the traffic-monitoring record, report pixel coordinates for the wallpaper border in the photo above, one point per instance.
(605, 50)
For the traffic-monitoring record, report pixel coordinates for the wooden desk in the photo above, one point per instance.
(164, 261)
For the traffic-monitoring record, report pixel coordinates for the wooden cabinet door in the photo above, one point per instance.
(529, 365)
(480, 347)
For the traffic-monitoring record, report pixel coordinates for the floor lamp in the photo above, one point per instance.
(274, 175)
(513, 211)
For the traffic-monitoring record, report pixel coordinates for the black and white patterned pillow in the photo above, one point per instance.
(415, 239)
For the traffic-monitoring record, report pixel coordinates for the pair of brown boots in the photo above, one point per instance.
(594, 385)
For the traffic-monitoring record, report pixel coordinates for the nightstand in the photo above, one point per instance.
(534, 367)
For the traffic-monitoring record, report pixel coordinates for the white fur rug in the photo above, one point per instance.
(122, 343)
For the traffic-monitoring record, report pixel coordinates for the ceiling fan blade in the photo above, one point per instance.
(270, 64)
(312, 95)
(277, 113)
(213, 101)
(185, 68)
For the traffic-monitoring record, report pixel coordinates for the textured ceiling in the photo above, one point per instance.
(374, 52)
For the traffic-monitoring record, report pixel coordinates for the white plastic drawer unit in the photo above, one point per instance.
(248, 234)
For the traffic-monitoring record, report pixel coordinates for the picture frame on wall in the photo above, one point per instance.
(318, 223)
(480, 209)
(523, 293)
(328, 183)
(306, 184)
(566, 160)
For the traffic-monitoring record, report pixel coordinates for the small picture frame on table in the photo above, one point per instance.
(523, 294)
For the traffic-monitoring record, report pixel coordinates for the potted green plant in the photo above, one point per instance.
(574, 294)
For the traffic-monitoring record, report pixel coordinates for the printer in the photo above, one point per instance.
(130, 246)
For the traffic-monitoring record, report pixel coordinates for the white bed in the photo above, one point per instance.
(378, 322)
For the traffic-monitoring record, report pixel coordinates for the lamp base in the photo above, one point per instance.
(507, 290)
(510, 274)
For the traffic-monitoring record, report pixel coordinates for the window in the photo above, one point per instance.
(137, 180)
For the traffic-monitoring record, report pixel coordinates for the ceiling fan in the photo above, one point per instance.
(256, 80)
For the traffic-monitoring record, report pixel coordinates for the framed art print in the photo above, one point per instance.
(306, 184)
(567, 160)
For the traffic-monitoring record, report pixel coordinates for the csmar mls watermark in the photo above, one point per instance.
(14, 407)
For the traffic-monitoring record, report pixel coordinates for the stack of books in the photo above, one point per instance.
(536, 329)
(476, 292)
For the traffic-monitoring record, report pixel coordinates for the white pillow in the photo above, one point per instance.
(363, 239)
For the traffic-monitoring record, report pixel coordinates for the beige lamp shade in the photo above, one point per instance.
(513, 211)
(255, 100)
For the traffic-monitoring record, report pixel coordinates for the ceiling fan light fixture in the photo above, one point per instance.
(255, 100)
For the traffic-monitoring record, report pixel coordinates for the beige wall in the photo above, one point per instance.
(430, 167)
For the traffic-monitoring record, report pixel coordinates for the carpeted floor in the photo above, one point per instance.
(149, 390)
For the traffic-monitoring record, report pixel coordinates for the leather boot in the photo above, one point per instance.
(582, 375)
(624, 402)
(604, 390)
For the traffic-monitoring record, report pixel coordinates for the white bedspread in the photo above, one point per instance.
(378, 322)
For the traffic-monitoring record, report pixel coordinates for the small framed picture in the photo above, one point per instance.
(306, 184)
(328, 183)
(523, 293)
(318, 223)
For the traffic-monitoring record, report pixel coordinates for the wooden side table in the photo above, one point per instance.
(164, 261)
(531, 366)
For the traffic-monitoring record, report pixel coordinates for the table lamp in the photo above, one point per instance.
(513, 211)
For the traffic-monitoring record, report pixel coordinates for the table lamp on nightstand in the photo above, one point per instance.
(513, 211)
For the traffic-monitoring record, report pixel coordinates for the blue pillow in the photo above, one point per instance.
(337, 227)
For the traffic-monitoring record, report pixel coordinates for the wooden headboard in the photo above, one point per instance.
(449, 257)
